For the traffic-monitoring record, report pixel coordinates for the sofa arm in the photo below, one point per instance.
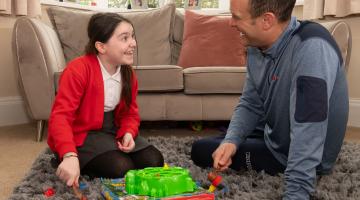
(38, 55)
(341, 32)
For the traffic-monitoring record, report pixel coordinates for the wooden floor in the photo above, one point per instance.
(19, 149)
(352, 134)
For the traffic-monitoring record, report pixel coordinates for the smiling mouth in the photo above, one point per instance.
(130, 53)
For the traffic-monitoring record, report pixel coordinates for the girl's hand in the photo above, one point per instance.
(127, 144)
(69, 171)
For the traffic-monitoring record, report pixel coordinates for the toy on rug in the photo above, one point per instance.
(196, 126)
(159, 181)
(166, 183)
(114, 189)
(49, 192)
(78, 193)
(215, 180)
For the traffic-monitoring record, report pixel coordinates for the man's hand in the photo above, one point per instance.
(222, 156)
(69, 171)
(127, 144)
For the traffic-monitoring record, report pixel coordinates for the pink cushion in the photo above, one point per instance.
(210, 41)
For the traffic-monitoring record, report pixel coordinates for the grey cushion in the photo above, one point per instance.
(153, 30)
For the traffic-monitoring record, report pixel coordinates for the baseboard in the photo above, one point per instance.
(354, 114)
(13, 111)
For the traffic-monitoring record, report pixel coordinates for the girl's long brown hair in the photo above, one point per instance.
(100, 28)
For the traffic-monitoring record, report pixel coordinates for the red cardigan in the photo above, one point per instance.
(79, 106)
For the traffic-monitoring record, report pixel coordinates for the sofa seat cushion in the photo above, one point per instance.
(214, 80)
(155, 78)
(179, 106)
(159, 78)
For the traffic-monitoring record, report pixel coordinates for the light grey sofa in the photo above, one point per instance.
(166, 91)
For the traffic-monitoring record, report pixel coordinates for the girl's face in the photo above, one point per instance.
(120, 48)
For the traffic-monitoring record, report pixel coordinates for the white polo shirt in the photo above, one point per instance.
(112, 88)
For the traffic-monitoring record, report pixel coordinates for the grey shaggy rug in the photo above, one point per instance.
(342, 184)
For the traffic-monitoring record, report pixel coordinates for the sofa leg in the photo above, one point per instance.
(40, 130)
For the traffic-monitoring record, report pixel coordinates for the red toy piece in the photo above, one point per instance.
(49, 192)
(215, 181)
(211, 176)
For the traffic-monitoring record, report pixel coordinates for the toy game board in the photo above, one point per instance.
(166, 183)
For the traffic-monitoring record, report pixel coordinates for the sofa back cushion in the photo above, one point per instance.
(153, 30)
(210, 41)
(178, 26)
(177, 36)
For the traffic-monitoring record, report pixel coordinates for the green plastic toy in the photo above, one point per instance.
(159, 181)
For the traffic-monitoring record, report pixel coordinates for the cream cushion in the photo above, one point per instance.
(156, 78)
(214, 80)
(160, 78)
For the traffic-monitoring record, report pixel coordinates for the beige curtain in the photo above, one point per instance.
(30, 8)
(314, 9)
(5, 7)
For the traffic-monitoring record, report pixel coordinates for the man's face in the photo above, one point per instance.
(249, 28)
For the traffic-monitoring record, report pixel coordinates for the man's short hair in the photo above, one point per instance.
(281, 8)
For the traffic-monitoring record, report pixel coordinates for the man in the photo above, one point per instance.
(293, 111)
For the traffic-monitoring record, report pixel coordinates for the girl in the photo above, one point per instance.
(93, 126)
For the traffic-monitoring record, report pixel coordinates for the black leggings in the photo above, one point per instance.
(252, 154)
(115, 164)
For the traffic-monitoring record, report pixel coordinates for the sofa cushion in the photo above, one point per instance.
(210, 41)
(179, 106)
(153, 30)
(156, 78)
(214, 80)
(159, 78)
(178, 26)
(177, 36)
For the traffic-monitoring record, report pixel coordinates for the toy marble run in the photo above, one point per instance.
(159, 181)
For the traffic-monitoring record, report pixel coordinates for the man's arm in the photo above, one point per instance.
(317, 65)
(244, 120)
(246, 115)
